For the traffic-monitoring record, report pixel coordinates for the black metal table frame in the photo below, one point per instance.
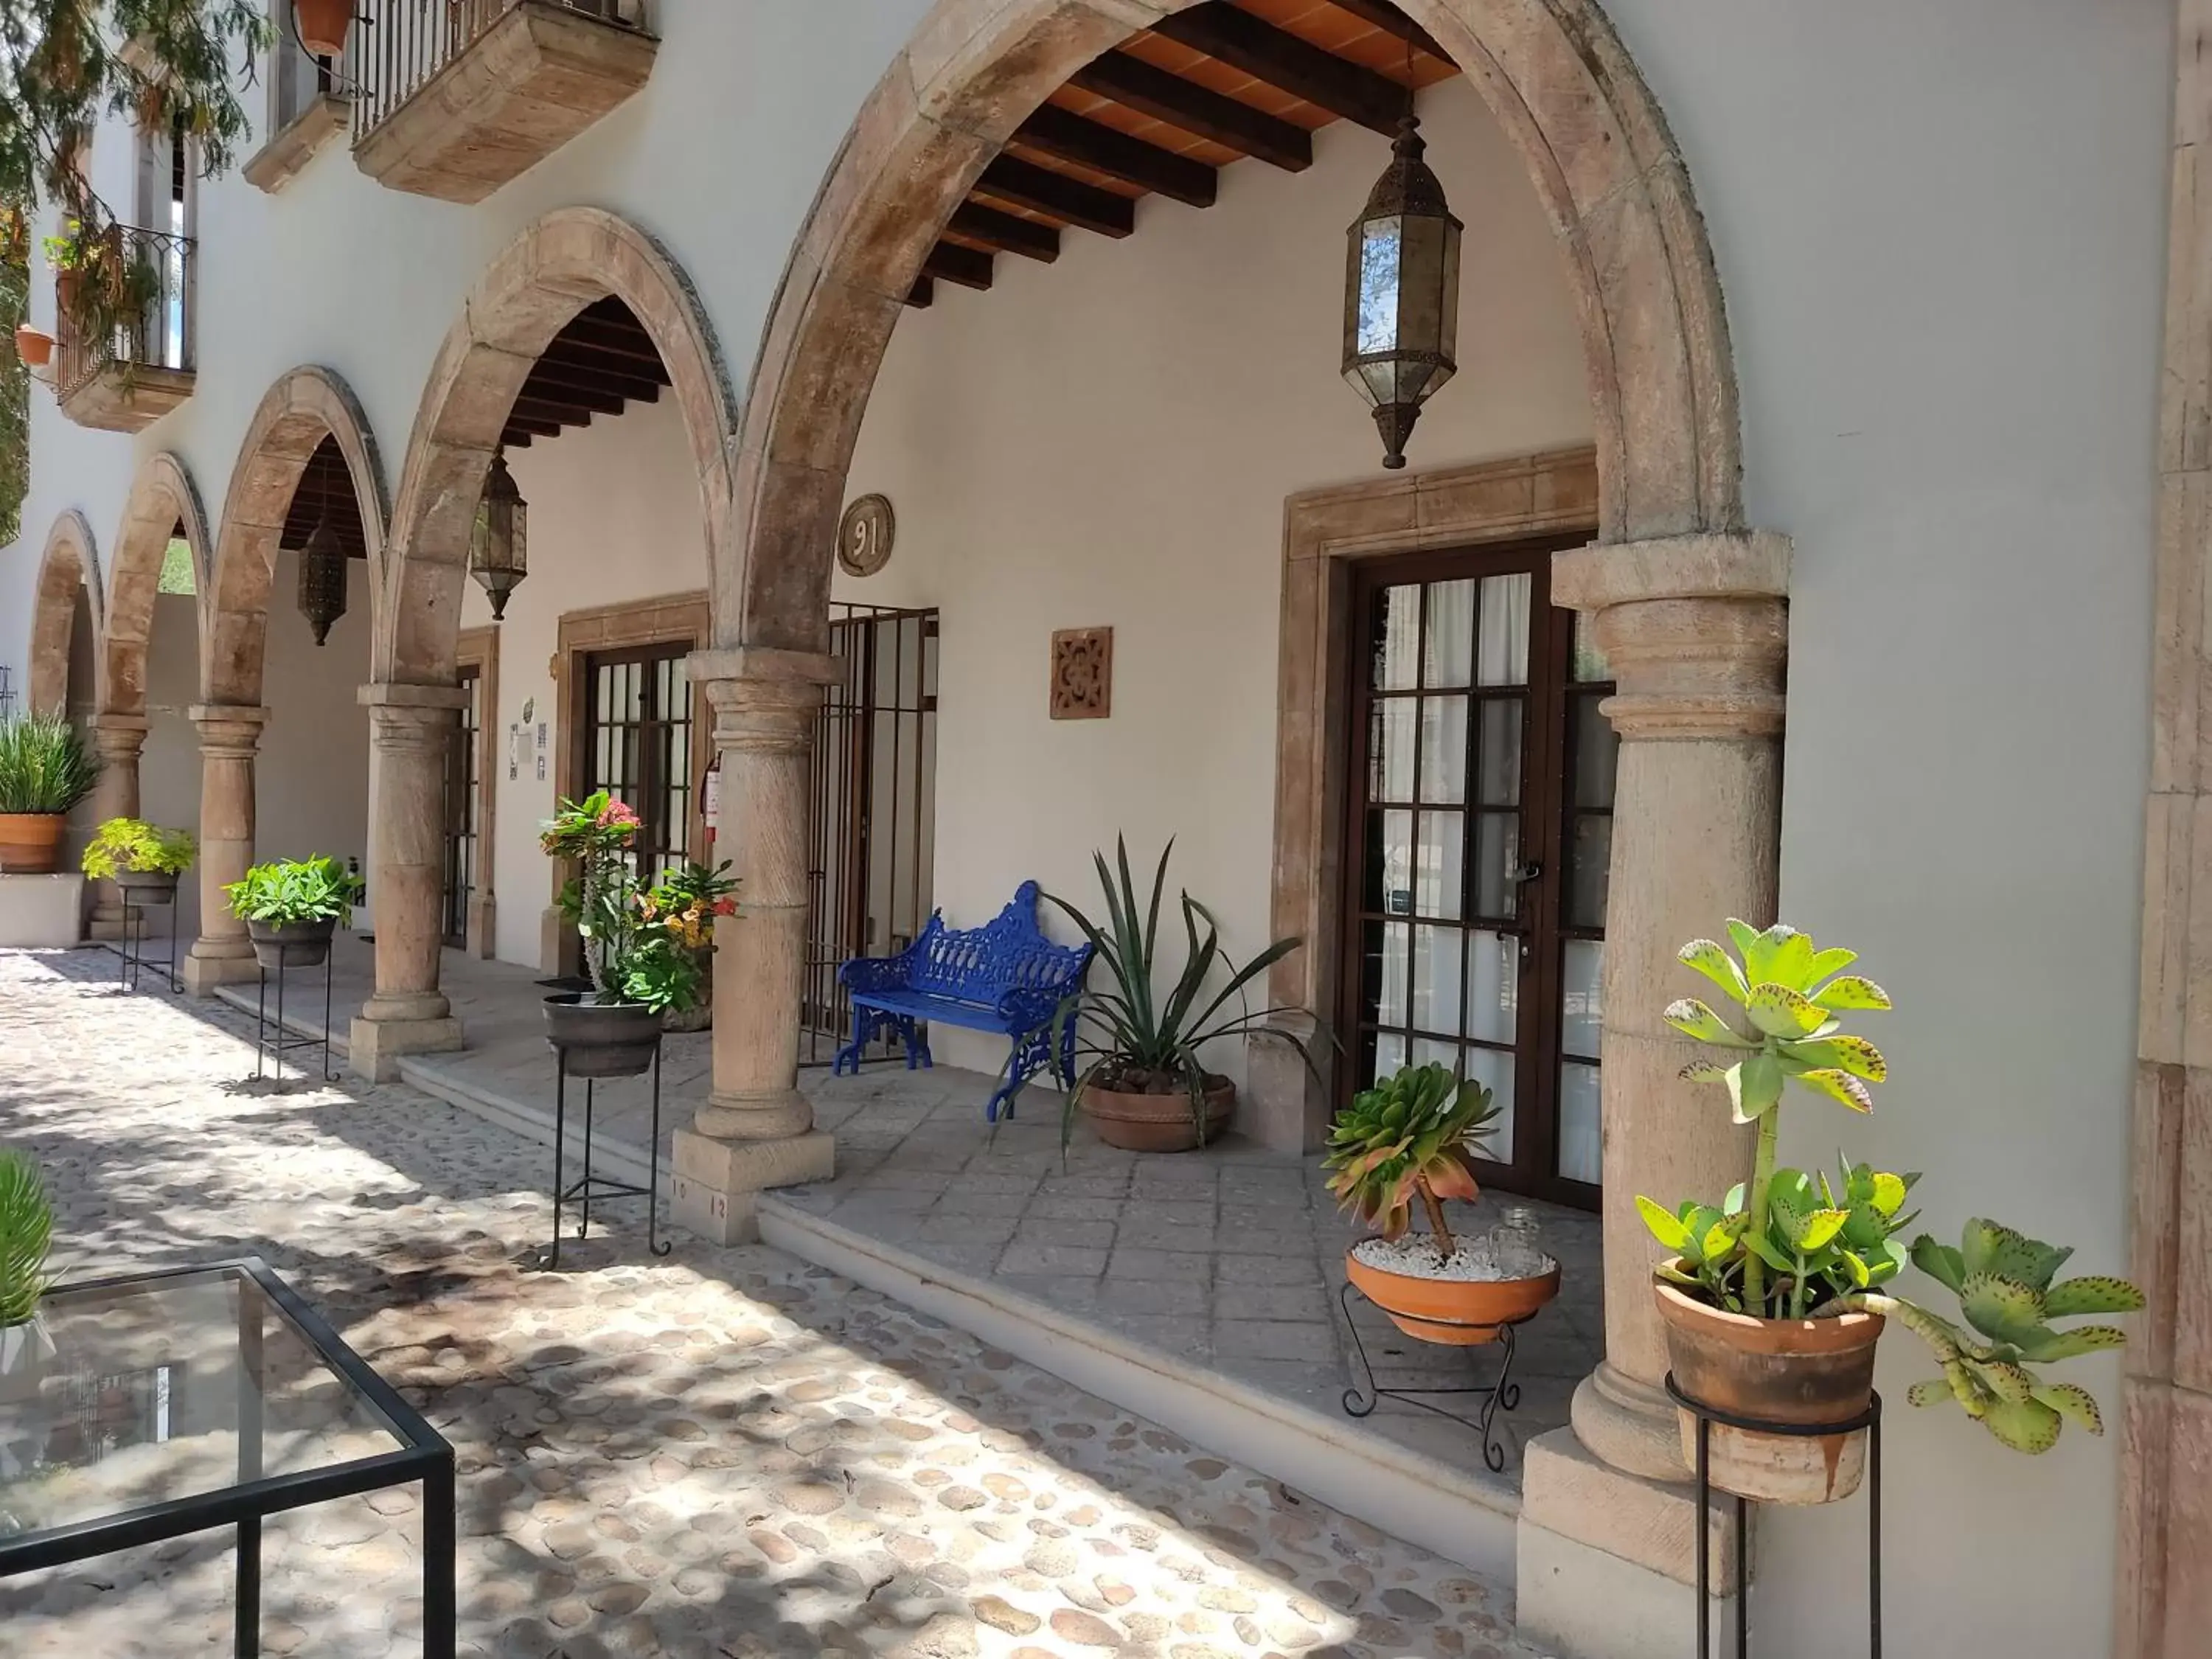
(266, 1048)
(426, 1457)
(582, 1191)
(1503, 1393)
(131, 947)
(1868, 1419)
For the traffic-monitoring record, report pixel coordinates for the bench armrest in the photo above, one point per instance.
(876, 973)
(1026, 1007)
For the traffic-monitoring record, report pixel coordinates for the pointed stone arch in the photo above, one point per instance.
(69, 564)
(163, 503)
(304, 407)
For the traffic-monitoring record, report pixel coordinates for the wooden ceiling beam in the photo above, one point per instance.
(1283, 61)
(1068, 136)
(1069, 200)
(539, 426)
(561, 397)
(1395, 24)
(1009, 233)
(1198, 111)
(573, 375)
(922, 294)
(950, 263)
(591, 336)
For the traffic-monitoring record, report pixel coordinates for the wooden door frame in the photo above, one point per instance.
(1325, 532)
(479, 649)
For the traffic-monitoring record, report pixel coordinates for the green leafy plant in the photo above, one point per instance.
(45, 766)
(1825, 1241)
(26, 1225)
(1139, 1042)
(2003, 1281)
(642, 944)
(143, 848)
(1414, 1135)
(287, 892)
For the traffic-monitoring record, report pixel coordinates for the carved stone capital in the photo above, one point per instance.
(120, 738)
(765, 701)
(413, 720)
(228, 730)
(1695, 629)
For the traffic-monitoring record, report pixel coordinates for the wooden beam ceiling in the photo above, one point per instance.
(600, 363)
(1164, 112)
(324, 491)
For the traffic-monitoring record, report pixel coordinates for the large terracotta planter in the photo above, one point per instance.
(34, 346)
(292, 944)
(1156, 1123)
(323, 25)
(1459, 1313)
(614, 1039)
(1805, 1371)
(30, 842)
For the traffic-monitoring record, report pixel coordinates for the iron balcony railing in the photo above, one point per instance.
(399, 45)
(156, 333)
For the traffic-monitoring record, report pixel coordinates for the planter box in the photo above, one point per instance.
(41, 913)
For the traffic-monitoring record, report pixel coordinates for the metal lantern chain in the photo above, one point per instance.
(323, 578)
(499, 552)
(1401, 290)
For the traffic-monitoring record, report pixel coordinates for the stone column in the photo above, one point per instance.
(1696, 630)
(229, 734)
(410, 727)
(756, 1131)
(120, 739)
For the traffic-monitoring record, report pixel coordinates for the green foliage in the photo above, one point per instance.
(287, 892)
(1825, 1241)
(1790, 994)
(27, 1226)
(177, 574)
(1412, 1135)
(1138, 1041)
(143, 848)
(15, 398)
(45, 766)
(2003, 1280)
(648, 945)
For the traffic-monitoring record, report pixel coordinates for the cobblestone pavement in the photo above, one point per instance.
(727, 1453)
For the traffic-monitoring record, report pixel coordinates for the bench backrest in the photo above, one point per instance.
(981, 964)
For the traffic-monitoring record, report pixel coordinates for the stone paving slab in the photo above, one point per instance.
(728, 1454)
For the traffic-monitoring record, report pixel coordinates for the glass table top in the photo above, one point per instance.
(156, 1389)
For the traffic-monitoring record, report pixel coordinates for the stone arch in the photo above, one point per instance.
(305, 406)
(563, 262)
(161, 498)
(71, 563)
(1553, 73)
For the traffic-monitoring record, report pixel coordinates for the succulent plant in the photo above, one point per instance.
(27, 1226)
(1825, 1241)
(2003, 1281)
(1412, 1135)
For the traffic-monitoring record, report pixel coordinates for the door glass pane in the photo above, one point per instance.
(1443, 749)
(1493, 1069)
(1581, 1123)
(1497, 858)
(1582, 1008)
(1386, 989)
(1590, 664)
(1589, 859)
(1437, 957)
(1397, 617)
(1439, 881)
(1393, 858)
(1596, 753)
(1391, 749)
(1389, 1055)
(1428, 1051)
(1450, 660)
(1501, 656)
(1499, 765)
(1494, 975)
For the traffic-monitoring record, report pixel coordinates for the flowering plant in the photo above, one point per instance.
(644, 945)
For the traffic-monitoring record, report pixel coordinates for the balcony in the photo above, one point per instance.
(457, 97)
(126, 381)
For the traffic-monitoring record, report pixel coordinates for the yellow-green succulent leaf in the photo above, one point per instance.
(1839, 1086)
(1852, 994)
(2092, 1295)
(1743, 935)
(1665, 1226)
(1936, 1391)
(1791, 963)
(1779, 1011)
(2003, 1310)
(2006, 1381)
(2026, 1425)
(1845, 1053)
(1693, 1018)
(1940, 1262)
(2075, 1402)
(1889, 1191)
(1704, 1071)
(1713, 961)
(1819, 1229)
(1833, 960)
(2065, 1345)
(1991, 1247)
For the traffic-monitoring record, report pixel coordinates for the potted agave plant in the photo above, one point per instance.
(27, 1226)
(140, 858)
(292, 907)
(44, 771)
(1413, 1136)
(1146, 1088)
(1772, 1299)
(641, 956)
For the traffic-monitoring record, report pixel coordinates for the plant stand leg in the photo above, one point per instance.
(560, 1145)
(654, 1242)
(584, 1193)
(1503, 1394)
(260, 1023)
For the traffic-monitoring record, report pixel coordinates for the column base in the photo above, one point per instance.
(784, 1114)
(1606, 1567)
(203, 975)
(375, 1047)
(106, 924)
(716, 1184)
(1630, 1425)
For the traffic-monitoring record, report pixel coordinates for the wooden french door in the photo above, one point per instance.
(464, 810)
(637, 745)
(1481, 836)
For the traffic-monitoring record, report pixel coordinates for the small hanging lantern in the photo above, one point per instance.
(1401, 298)
(499, 554)
(322, 579)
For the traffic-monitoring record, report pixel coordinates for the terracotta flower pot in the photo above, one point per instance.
(66, 285)
(34, 346)
(1156, 1123)
(292, 944)
(148, 886)
(30, 842)
(323, 24)
(594, 1039)
(1807, 1371)
(1459, 1313)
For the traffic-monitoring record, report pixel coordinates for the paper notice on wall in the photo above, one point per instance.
(712, 799)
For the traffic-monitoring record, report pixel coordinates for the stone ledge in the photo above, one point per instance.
(1567, 1490)
(286, 155)
(1752, 566)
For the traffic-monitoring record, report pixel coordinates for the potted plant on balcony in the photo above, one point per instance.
(26, 1225)
(34, 347)
(684, 903)
(640, 967)
(1146, 1088)
(1413, 1136)
(322, 25)
(140, 857)
(1771, 1298)
(44, 771)
(291, 907)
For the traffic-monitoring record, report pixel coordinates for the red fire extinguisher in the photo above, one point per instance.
(710, 804)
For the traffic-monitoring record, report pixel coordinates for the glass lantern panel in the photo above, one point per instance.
(1381, 248)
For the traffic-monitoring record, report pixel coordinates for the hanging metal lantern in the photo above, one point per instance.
(322, 579)
(1401, 294)
(499, 554)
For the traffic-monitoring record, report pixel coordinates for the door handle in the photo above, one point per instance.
(1523, 874)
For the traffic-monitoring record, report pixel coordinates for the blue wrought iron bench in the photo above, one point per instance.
(1004, 977)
